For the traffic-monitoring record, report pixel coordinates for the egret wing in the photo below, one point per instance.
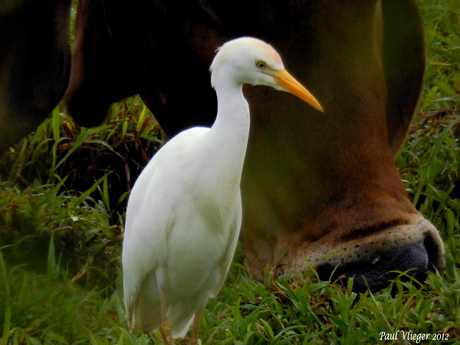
(149, 221)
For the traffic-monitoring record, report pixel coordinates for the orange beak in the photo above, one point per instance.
(290, 84)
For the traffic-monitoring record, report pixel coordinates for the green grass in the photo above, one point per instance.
(60, 279)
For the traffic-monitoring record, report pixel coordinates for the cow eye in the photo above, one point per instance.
(261, 64)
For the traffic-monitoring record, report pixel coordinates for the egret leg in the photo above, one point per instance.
(195, 329)
(165, 329)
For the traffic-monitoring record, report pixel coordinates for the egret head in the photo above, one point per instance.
(252, 61)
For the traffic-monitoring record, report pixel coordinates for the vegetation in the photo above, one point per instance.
(60, 280)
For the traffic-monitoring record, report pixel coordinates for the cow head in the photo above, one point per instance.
(324, 190)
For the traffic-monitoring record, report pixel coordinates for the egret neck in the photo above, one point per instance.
(230, 131)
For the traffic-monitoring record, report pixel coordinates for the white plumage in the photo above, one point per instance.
(184, 212)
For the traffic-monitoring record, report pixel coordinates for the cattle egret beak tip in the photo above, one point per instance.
(290, 84)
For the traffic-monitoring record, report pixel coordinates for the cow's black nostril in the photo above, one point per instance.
(433, 252)
(381, 266)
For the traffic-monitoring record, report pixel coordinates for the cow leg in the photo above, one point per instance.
(34, 64)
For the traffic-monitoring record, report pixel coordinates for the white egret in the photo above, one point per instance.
(184, 212)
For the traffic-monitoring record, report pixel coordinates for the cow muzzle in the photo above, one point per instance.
(408, 251)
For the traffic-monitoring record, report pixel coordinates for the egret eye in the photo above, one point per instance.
(261, 64)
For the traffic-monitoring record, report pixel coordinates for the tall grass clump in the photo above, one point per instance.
(62, 201)
(68, 185)
(429, 162)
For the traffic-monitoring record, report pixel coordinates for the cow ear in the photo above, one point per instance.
(102, 72)
(404, 65)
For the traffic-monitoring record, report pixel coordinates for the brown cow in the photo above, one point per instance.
(320, 190)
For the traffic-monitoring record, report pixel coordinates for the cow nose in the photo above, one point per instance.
(412, 249)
